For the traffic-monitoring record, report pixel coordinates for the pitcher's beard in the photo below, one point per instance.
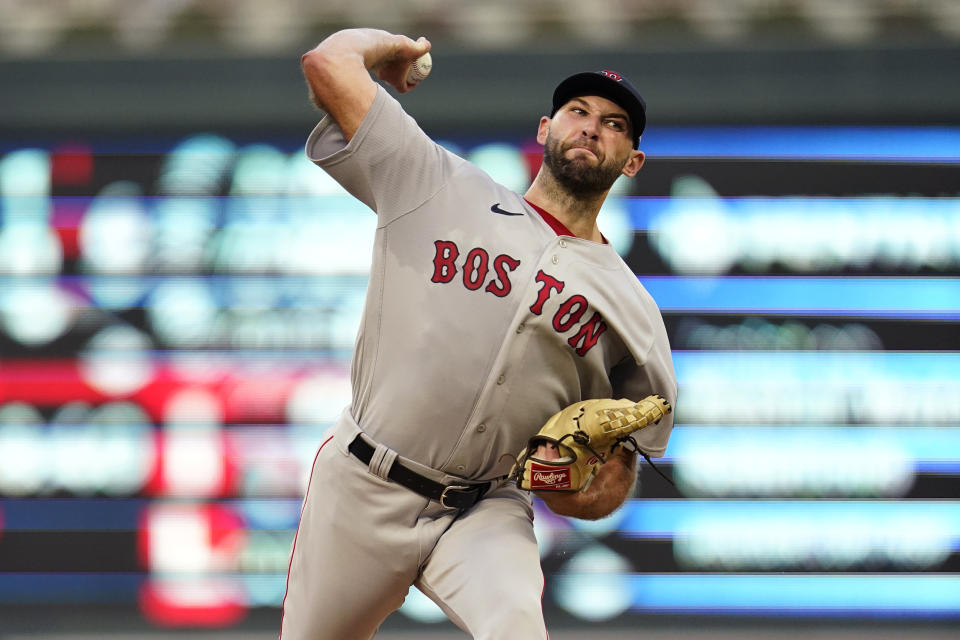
(578, 177)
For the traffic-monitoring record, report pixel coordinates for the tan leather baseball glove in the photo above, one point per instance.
(583, 434)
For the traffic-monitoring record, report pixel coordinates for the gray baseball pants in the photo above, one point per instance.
(363, 541)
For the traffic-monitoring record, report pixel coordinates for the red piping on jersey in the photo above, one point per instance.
(542, 591)
(294, 549)
(558, 227)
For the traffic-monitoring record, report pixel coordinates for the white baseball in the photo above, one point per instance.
(420, 69)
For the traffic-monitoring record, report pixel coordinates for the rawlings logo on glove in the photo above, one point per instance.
(583, 434)
(544, 477)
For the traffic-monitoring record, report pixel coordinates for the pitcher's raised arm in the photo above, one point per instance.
(338, 70)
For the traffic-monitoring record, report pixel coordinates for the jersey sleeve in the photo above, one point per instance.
(654, 374)
(390, 164)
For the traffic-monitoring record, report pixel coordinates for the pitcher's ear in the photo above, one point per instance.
(543, 129)
(634, 164)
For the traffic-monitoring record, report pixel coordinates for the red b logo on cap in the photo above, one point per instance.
(613, 75)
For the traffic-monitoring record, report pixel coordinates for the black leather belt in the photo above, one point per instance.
(451, 496)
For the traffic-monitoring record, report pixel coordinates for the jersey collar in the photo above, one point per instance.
(558, 227)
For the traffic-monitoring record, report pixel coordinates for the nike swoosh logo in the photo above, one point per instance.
(496, 209)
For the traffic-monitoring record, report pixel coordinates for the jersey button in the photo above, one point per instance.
(481, 428)
(500, 380)
(460, 467)
(520, 327)
(563, 244)
(554, 259)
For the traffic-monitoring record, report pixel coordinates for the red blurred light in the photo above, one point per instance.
(161, 609)
(204, 598)
(247, 394)
(71, 165)
(67, 216)
(533, 157)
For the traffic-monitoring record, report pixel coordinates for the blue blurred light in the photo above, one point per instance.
(799, 594)
(72, 514)
(863, 210)
(906, 368)
(668, 518)
(70, 588)
(913, 144)
(892, 297)
(930, 449)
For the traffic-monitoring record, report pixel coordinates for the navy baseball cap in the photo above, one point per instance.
(606, 84)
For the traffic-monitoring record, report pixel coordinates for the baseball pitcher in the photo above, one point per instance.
(505, 351)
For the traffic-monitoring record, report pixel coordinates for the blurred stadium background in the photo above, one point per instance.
(180, 289)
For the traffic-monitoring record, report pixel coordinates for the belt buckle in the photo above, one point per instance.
(443, 494)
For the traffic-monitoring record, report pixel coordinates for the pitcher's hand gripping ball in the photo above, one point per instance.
(584, 434)
(420, 69)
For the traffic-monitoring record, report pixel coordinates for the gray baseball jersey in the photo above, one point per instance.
(483, 318)
(480, 324)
